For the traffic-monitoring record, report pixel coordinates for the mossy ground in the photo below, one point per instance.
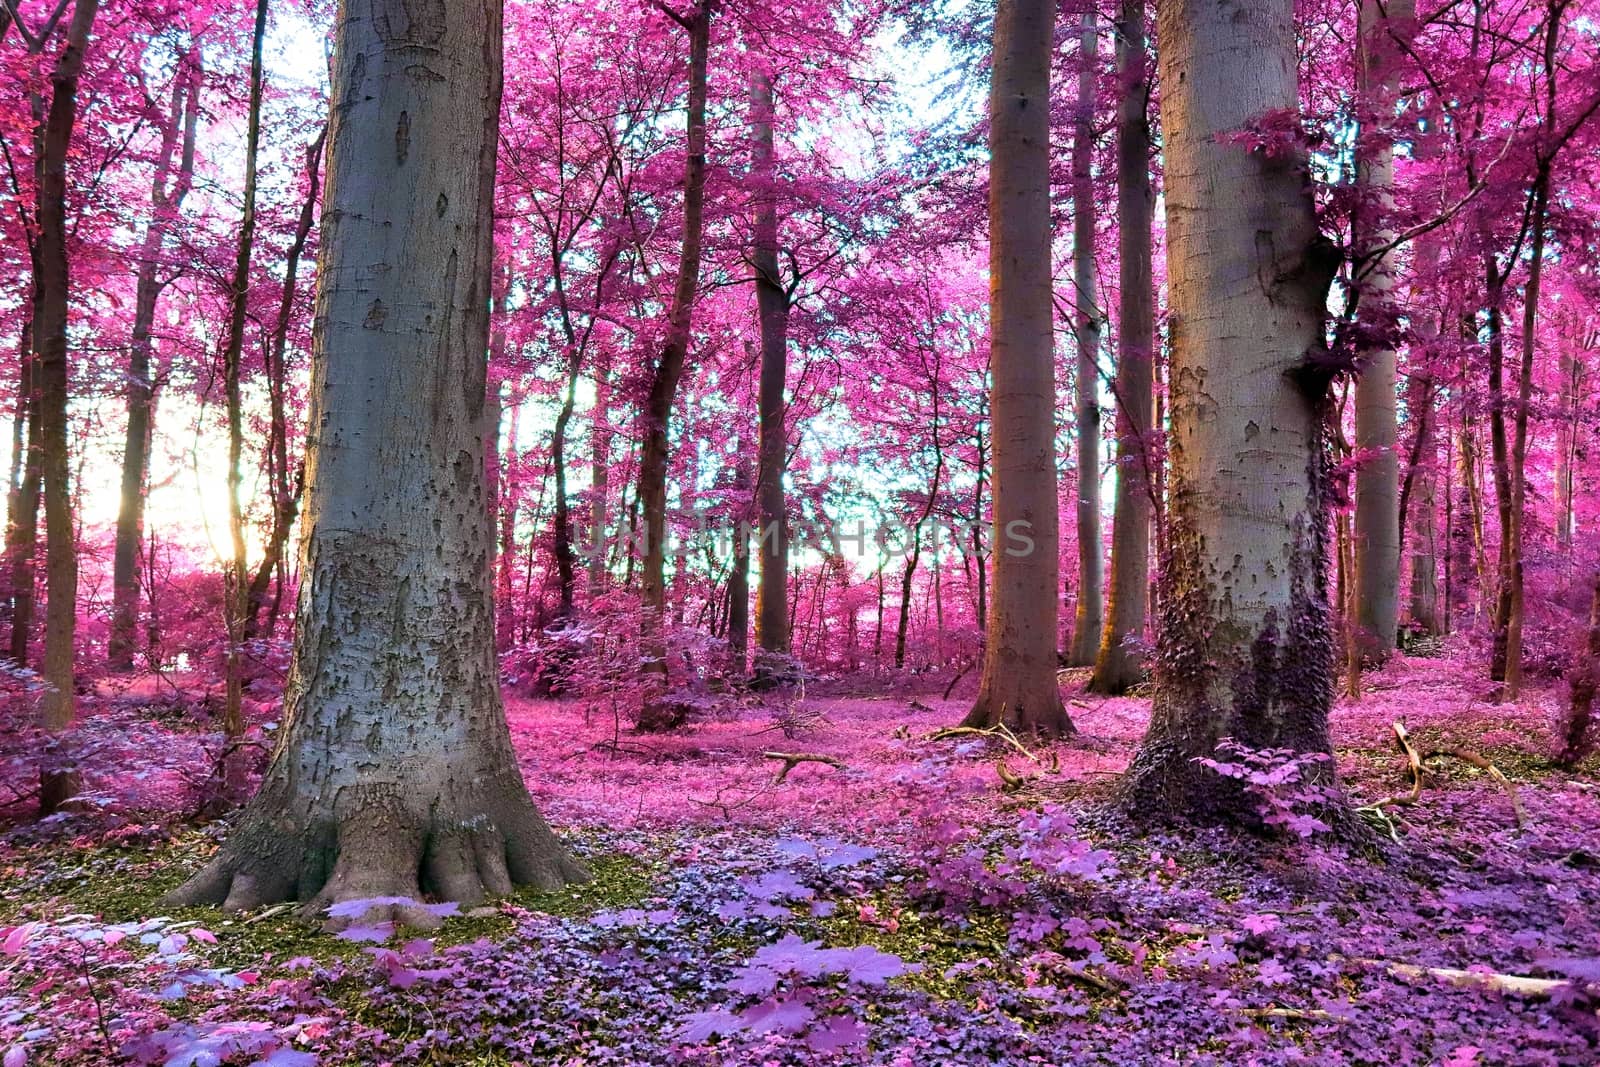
(125, 884)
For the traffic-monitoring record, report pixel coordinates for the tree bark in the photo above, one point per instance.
(1118, 665)
(1245, 648)
(394, 774)
(58, 706)
(739, 569)
(1089, 616)
(166, 200)
(655, 452)
(772, 303)
(22, 526)
(1018, 685)
(1376, 530)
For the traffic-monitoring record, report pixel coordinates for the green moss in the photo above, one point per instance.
(927, 940)
(125, 884)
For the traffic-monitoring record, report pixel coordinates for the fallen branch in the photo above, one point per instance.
(1299, 1014)
(791, 760)
(1472, 758)
(1493, 981)
(1416, 770)
(962, 673)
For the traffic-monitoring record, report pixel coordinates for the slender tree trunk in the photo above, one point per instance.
(1377, 516)
(772, 302)
(1576, 744)
(58, 707)
(286, 491)
(22, 527)
(739, 569)
(1118, 665)
(1499, 593)
(1567, 440)
(1018, 686)
(395, 774)
(236, 596)
(1245, 649)
(165, 202)
(668, 371)
(600, 467)
(1089, 618)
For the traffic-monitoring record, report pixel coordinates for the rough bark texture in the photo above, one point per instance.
(166, 199)
(655, 451)
(1118, 665)
(1089, 617)
(50, 334)
(772, 302)
(1245, 647)
(1018, 686)
(1377, 514)
(395, 774)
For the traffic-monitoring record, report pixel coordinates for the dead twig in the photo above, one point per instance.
(1417, 771)
(791, 760)
(1469, 757)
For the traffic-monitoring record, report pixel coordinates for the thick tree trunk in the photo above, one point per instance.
(1118, 665)
(772, 302)
(655, 453)
(1089, 617)
(1245, 649)
(166, 199)
(1500, 463)
(395, 774)
(50, 334)
(1377, 515)
(1018, 686)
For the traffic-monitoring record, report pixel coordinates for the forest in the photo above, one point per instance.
(787, 532)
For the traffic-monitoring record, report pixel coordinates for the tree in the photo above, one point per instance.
(1117, 666)
(772, 303)
(1377, 514)
(1018, 686)
(1245, 644)
(395, 774)
(1089, 617)
(668, 369)
(167, 193)
(51, 372)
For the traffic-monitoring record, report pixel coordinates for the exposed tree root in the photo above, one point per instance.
(380, 844)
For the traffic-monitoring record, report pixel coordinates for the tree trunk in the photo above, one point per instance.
(1089, 617)
(1018, 686)
(165, 202)
(1500, 462)
(50, 334)
(739, 569)
(1376, 529)
(1118, 665)
(394, 774)
(654, 454)
(1245, 649)
(600, 466)
(235, 603)
(1567, 439)
(22, 526)
(1576, 744)
(286, 493)
(772, 302)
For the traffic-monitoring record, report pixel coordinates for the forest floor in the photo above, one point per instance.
(909, 905)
